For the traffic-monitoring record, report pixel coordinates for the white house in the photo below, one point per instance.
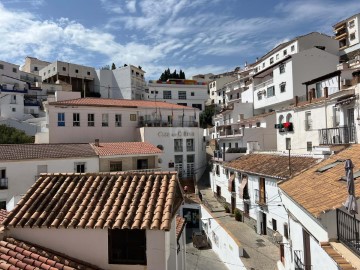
(250, 184)
(34, 65)
(178, 91)
(320, 233)
(347, 34)
(21, 164)
(216, 87)
(112, 221)
(278, 75)
(127, 82)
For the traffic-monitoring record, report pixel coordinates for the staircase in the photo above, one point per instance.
(337, 257)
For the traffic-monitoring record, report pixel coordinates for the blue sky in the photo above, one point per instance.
(197, 36)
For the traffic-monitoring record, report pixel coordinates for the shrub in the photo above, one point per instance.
(238, 215)
(227, 208)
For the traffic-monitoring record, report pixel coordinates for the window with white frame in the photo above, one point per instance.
(270, 91)
(167, 95)
(292, 48)
(281, 119)
(284, 52)
(117, 120)
(282, 68)
(271, 60)
(80, 167)
(352, 36)
(308, 121)
(76, 119)
(182, 94)
(178, 145)
(133, 117)
(61, 119)
(105, 120)
(91, 120)
(190, 145)
(283, 87)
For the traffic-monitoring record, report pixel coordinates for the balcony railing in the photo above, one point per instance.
(231, 133)
(162, 123)
(260, 197)
(263, 84)
(218, 154)
(299, 261)
(348, 230)
(3, 183)
(338, 135)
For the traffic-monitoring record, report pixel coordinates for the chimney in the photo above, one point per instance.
(97, 142)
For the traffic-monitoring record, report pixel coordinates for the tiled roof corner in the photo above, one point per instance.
(122, 200)
(180, 225)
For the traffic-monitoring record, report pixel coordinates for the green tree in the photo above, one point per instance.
(167, 74)
(206, 116)
(113, 66)
(10, 135)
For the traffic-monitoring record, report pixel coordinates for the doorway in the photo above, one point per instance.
(263, 224)
(192, 218)
(142, 164)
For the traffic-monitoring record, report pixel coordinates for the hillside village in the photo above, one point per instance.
(123, 174)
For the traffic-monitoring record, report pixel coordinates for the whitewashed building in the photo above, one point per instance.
(278, 75)
(127, 82)
(34, 65)
(217, 89)
(249, 184)
(320, 233)
(178, 91)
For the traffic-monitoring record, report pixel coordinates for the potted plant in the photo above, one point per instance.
(227, 208)
(238, 216)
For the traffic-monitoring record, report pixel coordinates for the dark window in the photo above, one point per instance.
(127, 246)
(286, 231)
(88, 73)
(76, 71)
(3, 179)
(115, 166)
(282, 68)
(61, 119)
(35, 68)
(14, 70)
(258, 124)
(309, 146)
(199, 106)
(192, 94)
(274, 225)
(282, 87)
(64, 68)
(246, 209)
(3, 205)
(80, 167)
(91, 120)
(76, 119)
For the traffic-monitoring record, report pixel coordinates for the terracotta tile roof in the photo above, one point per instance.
(3, 215)
(125, 103)
(322, 191)
(271, 165)
(126, 148)
(180, 225)
(43, 151)
(100, 200)
(16, 254)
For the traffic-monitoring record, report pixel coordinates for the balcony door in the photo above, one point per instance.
(262, 198)
(351, 124)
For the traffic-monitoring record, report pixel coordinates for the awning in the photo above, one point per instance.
(231, 180)
(242, 186)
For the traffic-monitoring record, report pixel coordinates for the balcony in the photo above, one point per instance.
(4, 183)
(341, 34)
(299, 261)
(338, 135)
(263, 84)
(162, 123)
(231, 133)
(348, 230)
(260, 197)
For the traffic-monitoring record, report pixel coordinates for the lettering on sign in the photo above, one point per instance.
(176, 134)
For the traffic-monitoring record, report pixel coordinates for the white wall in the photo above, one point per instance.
(228, 249)
(11, 104)
(19, 181)
(91, 245)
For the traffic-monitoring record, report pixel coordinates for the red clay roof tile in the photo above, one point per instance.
(125, 148)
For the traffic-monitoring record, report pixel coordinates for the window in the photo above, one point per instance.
(127, 246)
(117, 120)
(76, 119)
(309, 146)
(53, 68)
(282, 68)
(1, 66)
(13, 109)
(61, 119)
(308, 121)
(167, 95)
(277, 56)
(91, 120)
(76, 71)
(263, 65)
(284, 52)
(36, 69)
(88, 73)
(182, 94)
(293, 48)
(14, 70)
(132, 117)
(190, 158)
(199, 106)
(289, 117)
(64, 68)
(318, 90)
(329, 166)
(286, 230)
(274, 224)
(246, 209)
(105, 120)
(258, 124)
(282, 87)
(190, 145)
(270, 91)
(178, 145)
(3, 205)
(352, 36)
(3, 179)
(352, 24)
(271, 60)
(192, 94)
(288, 143)
(80, 167)
(115, 166)
(259, 95)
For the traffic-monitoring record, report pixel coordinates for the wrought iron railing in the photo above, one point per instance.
(338, 135)
(163, 123)
(299, 261)
(348, 230)
(263, 84)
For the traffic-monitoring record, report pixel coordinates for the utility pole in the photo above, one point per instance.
(288, 147)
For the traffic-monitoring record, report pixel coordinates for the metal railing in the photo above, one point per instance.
(163, 123)
(231, 132)
(218, 154)
(263, 84)
(338, 135)
(260, 198)
(299, 261)
(4, 183)
(348, 230)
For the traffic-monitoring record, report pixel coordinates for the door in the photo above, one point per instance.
(262, 198)
(233, 203)
(307, 253)
(142, 164)
(351, 124)
(263, 224)
(192, 218)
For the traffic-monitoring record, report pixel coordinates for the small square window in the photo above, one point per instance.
(352, 36)
(271, 60)
(285, 52)
(14, 70)
(282, 68)
(64, 68)
(293, 48)
(35, 68)
(76, 71)
(80, 167)
(88, 73)
(192, 94)
(352, 23)
(277, 57)
(282, 87)
(132, 117)
(13, 109)
(1, 66)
